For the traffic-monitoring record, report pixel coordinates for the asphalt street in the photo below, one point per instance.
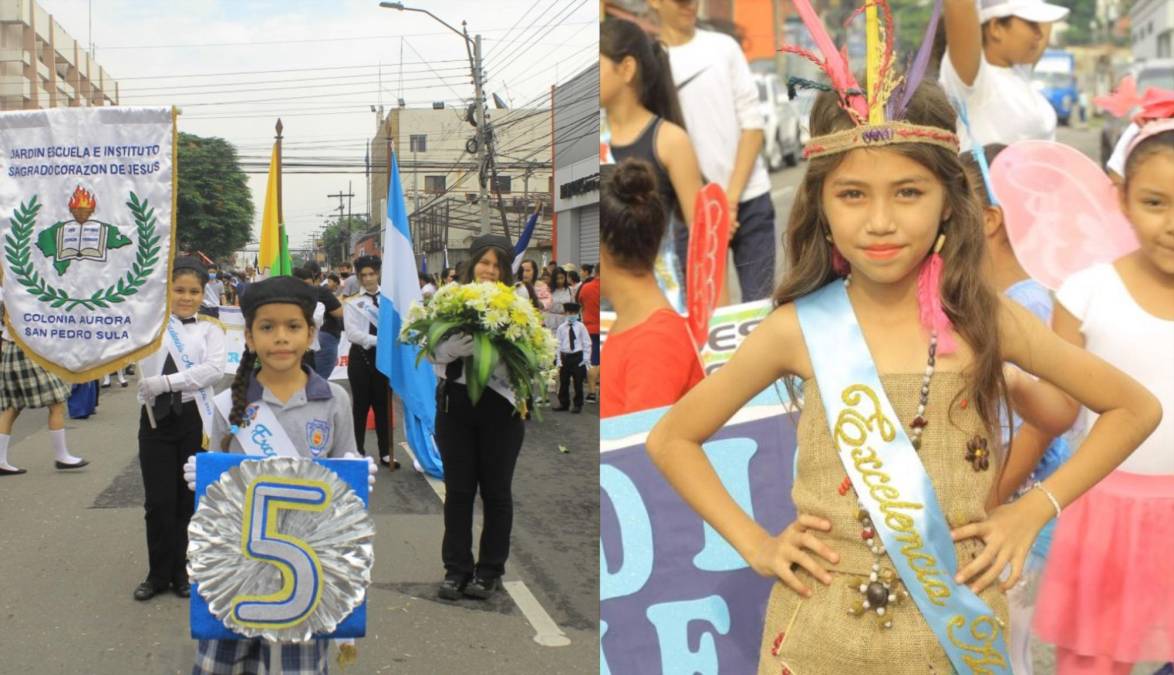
(72, 549)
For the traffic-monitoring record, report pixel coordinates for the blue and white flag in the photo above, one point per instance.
(415, 384)
(523, 242)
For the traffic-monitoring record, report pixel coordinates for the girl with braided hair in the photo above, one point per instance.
(313, 414)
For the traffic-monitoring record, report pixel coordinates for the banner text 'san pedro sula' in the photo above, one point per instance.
(87, 223)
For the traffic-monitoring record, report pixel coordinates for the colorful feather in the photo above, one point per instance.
(900, 101)
(835, 63)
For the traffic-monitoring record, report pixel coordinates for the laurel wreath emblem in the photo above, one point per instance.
(17, 249)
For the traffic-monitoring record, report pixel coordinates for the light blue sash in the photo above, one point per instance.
(892, 484)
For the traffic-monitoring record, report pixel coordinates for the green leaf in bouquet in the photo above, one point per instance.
(476, 387)
(437, 332)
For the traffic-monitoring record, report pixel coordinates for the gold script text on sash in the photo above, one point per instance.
(851, 432)
(985, 630)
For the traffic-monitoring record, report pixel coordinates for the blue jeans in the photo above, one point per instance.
(327, 355)
(754, 247)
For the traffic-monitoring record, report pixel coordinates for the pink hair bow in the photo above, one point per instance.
(1154, 104)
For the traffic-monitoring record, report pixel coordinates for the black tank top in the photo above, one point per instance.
(644, 147)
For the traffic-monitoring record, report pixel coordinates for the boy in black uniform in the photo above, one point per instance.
(369, 387)
(574, 353)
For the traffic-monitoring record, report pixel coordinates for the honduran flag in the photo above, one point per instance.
(415, 384)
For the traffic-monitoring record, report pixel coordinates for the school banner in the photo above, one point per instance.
(234, 343)
(87, 217)
(674, 596)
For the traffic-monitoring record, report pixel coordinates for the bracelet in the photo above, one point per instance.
(1051, 497)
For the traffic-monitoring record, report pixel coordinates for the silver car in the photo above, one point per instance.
(782, 130)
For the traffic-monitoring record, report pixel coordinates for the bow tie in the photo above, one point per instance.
(190, 319)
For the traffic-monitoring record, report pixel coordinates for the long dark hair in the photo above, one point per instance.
(244, 374)
(654, 80)
(968, 300)
(507, 275)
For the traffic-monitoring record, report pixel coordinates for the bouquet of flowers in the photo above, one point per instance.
(506, 329)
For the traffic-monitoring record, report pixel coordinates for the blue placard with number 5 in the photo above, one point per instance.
(297, 562)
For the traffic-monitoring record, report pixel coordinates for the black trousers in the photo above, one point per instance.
(169, 503)
(572, 367)
(368, 389)
(479, 446)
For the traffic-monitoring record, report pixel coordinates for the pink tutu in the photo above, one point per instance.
(1108, 589)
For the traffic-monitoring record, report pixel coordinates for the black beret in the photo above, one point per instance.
(288, 290)
(372, 261)
(487, 241)
(188, 262)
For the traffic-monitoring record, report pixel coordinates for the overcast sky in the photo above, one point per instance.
(324, 57)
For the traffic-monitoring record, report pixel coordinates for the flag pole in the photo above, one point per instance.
(279, 127)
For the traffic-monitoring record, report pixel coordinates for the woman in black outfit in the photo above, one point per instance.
(479, 445)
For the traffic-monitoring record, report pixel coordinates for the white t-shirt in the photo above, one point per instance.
(719, 100)
(212, 292)
(1118, 330)
(1002, 105)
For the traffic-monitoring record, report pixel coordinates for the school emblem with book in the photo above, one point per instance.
(83, 238)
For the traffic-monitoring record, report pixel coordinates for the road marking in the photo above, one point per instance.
(436, 484)
(546, 631)
(782, 192)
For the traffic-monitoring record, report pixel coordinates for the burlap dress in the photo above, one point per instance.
(818, 636)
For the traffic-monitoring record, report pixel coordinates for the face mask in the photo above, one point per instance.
(573, 318)
(211, 275)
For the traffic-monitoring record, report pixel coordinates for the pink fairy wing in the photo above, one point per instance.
(708, 246)
(1061, 210)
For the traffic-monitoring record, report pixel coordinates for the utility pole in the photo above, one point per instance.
(346, 230)
(482, 130)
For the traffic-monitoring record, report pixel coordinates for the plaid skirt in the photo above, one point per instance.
(24, 384)
(245, 657)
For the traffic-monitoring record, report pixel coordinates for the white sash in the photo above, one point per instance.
(369, 310)
(179, 355)
(264, 435)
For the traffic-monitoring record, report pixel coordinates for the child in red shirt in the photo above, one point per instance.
(649, 359)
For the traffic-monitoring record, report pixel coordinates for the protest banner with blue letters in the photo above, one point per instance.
(674, 596)
(87, 217)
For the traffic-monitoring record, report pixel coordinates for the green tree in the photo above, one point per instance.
(1081, 15)
(214, 202)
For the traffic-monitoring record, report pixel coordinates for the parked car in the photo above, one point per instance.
(782, 146)
(804, 101)
(1153, 73)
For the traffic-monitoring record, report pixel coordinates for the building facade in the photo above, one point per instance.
(437, 159)
(1151, 25)
(42, 66)
(576, 168)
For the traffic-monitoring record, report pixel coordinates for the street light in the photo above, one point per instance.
(475, 63)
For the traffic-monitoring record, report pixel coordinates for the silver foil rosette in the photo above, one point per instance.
(340, 535)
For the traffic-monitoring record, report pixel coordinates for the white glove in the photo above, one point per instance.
(454, 347)
(372, 468)
(150, 387)
(189, 473)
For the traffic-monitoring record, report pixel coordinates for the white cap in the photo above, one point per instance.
(1028, 10)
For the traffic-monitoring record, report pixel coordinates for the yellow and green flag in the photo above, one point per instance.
(274, 254)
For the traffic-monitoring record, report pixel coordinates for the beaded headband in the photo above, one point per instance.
(879, 109)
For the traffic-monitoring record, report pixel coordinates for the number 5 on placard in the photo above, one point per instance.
(301, 572)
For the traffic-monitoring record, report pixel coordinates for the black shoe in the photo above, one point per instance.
(590, 398)
(11, 472)
(483, 589)
(124, 384)
(452, 588)
(146, 591)
(63, 466)
(561, 408)
(182, 588)
(577, 409)
(130, 369)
